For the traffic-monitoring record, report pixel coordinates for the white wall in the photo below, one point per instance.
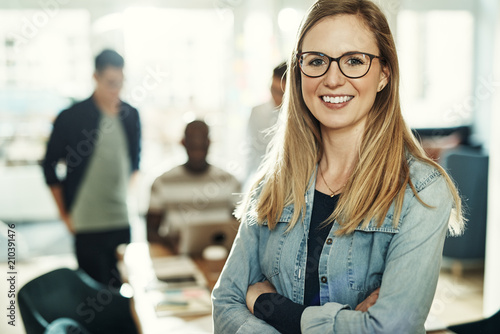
(492, 271)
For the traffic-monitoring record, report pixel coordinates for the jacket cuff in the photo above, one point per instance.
(321, 319)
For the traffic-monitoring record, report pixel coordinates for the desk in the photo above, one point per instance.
(137, 270)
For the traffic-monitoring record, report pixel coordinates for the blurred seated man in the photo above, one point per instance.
(193, 193)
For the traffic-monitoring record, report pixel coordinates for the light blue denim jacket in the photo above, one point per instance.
(404, 261)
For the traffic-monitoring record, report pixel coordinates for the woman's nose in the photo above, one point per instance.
(334, 77)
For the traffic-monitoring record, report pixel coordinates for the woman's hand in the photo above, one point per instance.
(368, 302)
(255, 290)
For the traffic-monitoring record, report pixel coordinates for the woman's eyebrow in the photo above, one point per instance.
(344, 53)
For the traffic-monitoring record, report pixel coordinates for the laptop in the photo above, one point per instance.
(194, 238)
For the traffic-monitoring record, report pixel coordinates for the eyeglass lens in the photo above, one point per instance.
(351, 65)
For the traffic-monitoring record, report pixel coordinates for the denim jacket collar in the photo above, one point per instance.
(420, 180)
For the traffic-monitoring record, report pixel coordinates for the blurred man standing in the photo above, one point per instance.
(98, 140)
(262, 118)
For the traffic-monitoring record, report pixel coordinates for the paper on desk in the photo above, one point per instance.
(176, 271)
(184, 301)
(174, 266)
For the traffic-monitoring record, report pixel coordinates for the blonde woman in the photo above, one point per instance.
(344, 230)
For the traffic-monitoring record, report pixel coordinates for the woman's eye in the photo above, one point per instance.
(316, 62)
(355, 61)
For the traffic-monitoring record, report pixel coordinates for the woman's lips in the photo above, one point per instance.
(336, 101)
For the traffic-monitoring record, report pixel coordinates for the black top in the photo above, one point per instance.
(73, 138)
(279, 311)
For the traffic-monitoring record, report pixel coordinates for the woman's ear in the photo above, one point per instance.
(384, 78)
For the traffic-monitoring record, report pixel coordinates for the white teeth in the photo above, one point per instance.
(337, 99)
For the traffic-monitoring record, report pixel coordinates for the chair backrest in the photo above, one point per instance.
(469, 169)
(490, 325)
(65, 293)
(65, 326)
(49, 297)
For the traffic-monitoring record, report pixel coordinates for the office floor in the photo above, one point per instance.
(457, 300)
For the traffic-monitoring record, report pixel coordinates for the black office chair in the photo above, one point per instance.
(490, 325)
(469, 169)
(65, 326)
(66, 293)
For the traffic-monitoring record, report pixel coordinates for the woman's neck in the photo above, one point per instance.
(341, 147)
(340, 155)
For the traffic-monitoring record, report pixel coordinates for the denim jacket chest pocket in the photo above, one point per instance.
(367, 254)
(274, 244)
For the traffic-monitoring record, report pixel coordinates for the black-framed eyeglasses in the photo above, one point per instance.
(352, 64)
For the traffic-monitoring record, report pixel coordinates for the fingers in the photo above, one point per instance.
(368, 302)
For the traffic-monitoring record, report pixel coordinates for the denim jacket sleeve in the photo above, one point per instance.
(410, 277)
(230, 313)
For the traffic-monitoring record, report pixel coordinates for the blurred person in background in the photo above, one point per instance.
(262, 118)
(98, 140)
(193, 193)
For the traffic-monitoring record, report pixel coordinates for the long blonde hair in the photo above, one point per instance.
(297, 146)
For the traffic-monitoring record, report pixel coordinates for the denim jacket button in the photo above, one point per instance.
(323, 279)
(329, 241)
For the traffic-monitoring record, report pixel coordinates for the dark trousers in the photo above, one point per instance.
(96, 254)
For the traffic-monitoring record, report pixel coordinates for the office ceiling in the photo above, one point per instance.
(98, 8)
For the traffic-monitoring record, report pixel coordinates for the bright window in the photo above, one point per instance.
(45, 60)
(436, 61)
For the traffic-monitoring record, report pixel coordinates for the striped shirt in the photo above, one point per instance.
(189, 198)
